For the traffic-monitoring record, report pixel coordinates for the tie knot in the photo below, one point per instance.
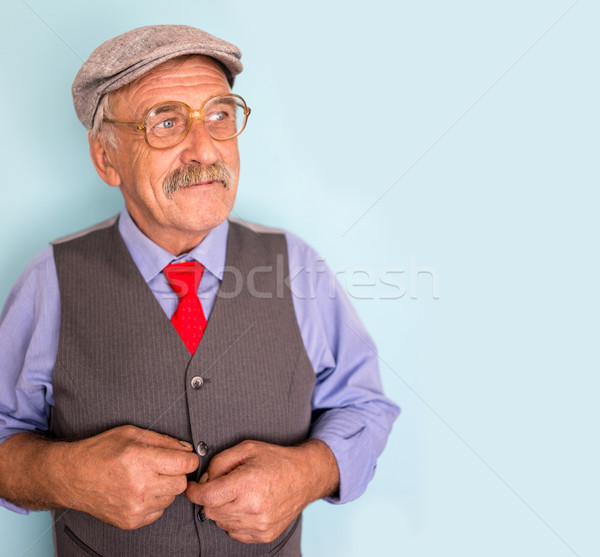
(184, 278)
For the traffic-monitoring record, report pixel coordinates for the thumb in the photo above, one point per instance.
(214, 493)
(159, 440)
(228, 460)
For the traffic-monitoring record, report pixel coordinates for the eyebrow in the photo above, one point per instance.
(163, 108)
(225, 100)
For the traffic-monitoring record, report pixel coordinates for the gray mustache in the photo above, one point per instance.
(187, 175)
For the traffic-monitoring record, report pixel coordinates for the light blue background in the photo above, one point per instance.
(468, 132)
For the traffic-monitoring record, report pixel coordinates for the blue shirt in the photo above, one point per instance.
(356, 417)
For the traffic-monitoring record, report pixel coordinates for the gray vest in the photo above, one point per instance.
(120, 361)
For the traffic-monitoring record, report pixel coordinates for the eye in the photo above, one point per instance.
(165, 124)
(166, 119)
(218, 116)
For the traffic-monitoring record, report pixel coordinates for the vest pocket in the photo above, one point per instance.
(83, 546)
(281, 544)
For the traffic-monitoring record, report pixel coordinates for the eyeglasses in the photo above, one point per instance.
(167, 123)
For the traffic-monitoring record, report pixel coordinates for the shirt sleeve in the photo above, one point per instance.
(350, 412)
(29, 329)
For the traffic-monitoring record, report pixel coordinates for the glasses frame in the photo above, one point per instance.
(192, 115)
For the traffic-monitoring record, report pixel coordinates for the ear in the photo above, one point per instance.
(102, 161)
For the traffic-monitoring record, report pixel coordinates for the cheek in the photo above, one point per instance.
(152, 167)
(230, 155)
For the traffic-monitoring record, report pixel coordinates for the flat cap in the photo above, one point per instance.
(123, 59)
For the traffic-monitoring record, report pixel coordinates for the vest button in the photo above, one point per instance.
(197, 382)
(201, 516)
(202, 448)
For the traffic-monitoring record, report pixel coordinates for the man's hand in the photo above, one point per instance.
(125, 476)
(254, 490)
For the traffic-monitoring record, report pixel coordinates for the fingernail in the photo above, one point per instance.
(186, 445)
(203, 478)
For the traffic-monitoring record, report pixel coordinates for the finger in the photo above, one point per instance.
(168, 462)
(244, 526)
(171, 485)
(229, 459)
(237, 516)
(246, 534)
(152, 517)
(164, 501)
(214, 493)
(227, 514)
(240, 536)
(154, 439)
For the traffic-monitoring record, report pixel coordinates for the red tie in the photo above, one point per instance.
(188, 319)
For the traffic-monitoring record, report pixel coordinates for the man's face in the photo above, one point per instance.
(179, 221)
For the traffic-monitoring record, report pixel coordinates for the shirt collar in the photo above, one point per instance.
(151, 259)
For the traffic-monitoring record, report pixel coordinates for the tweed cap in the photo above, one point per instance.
(123, 59)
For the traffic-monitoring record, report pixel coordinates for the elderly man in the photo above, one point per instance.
(174, 382)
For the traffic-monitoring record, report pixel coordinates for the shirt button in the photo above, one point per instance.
(197, 382)
(202, 448)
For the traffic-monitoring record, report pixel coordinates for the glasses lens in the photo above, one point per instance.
(224, 117)
(166, 124)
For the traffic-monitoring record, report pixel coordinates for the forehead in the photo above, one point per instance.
(191, 79)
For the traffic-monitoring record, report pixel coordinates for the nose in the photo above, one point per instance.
(198, 147)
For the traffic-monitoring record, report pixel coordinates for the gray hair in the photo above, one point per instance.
(100, 130)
